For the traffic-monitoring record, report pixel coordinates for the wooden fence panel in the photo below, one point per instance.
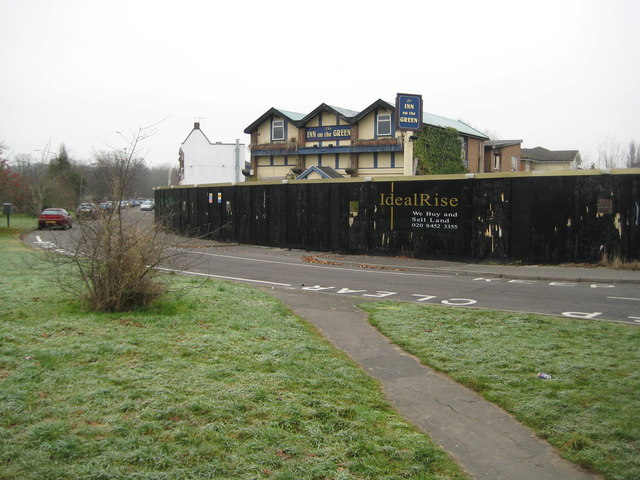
(538, 218)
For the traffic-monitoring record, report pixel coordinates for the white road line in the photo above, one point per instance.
(237, 279)
(625, 298)
(329, 267)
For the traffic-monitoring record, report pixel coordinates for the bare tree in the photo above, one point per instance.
(492, 134)
(39, 183)
(610, 154)
(13, 186)
(633, 155)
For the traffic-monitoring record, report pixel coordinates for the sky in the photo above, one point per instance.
(561, 74)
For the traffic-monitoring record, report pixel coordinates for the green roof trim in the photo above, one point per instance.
(443, 122)
(295, 116)
(345, 111)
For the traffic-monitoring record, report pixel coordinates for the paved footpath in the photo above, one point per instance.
(486, 441)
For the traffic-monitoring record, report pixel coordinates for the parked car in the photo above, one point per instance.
(54, 217)
(121, 205)
(106, 206)
(147, 206)
(87, 210)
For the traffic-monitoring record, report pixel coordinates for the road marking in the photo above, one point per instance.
(379, 294)
(223, 277)
(625, 298)
(305, 265)
(424, 298)
(459, 301)
(585, 315)
(47, 245)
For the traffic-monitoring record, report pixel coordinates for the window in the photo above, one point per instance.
(497, 161)
(277, 130)
(514, 164)
(384, 124)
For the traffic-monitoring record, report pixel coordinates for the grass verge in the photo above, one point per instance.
(221, 381)
(589, 409)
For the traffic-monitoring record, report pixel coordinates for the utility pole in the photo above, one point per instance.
(237, 160)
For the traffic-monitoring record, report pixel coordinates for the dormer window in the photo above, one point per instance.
(383, 124)
(277, 130)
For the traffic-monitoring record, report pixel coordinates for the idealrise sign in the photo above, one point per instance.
(418, 200)
(411, 211)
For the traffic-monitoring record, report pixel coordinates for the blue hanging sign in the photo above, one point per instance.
(408, 111)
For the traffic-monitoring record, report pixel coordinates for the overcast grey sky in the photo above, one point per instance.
(562, 74)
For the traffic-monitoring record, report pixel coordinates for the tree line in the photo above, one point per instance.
(611, 154)
(111, 260)
(54, 179)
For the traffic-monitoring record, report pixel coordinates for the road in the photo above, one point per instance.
(279, 268)
(401, 280)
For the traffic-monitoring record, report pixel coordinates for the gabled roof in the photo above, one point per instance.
(377, 104)
(346, 114)
(459, 125)
(196, 127)
(501, 143)
(345, 111)
(539, 154)
(293, 117)
(324, 172)
(353, 116)
(428, 119)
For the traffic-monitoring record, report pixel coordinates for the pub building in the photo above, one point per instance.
(368, 143)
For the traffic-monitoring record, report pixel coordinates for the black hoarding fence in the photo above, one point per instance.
(568, 217)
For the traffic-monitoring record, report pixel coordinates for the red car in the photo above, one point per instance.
(54, 218)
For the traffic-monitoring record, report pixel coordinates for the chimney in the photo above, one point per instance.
(196, 125)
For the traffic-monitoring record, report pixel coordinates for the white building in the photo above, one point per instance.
(204, 162)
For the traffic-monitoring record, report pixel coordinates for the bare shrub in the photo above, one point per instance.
(114, 257)
(617, 263)
(116, 262)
